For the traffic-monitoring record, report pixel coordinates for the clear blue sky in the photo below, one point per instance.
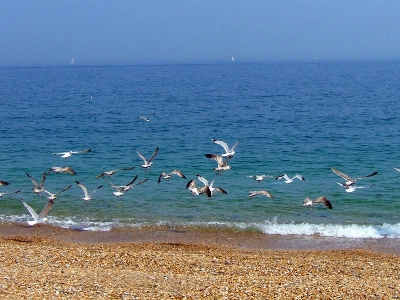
(115, 32)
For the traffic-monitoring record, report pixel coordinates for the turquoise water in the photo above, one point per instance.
(289, 118)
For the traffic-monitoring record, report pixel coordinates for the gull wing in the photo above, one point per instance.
(112, 184)
(372, 174)
(33, 180)
(143, 181)
(221, 190)
(223, 144)
(46, 209)
(323, 200)
(31, 210)
(397, 169)
(161, 175)
(282, 176)
(141, 156)
(85, 151)
(217, 158)
(266, 193)
(191, 184)
(234, 146)
(67, 188)
(133, 180)
(179, 173)
(202, 179)
(83, 188)
(99, 187)
(344, 176)
(154, 154)
(4, 183)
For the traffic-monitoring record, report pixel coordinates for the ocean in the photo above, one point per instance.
(293, 118)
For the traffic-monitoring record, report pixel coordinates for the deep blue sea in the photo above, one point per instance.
(294, 118)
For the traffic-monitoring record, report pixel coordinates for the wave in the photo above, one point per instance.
(374, 231)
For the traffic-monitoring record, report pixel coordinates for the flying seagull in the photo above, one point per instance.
(352, 187)
(309, 202)
(69, 153)
(147, 163)
(259, 178)
(4, 183)
(229, 152)
(213, 190)
(290, 180)
(145, 118)
(38, 188)
(397, 169)
(222, 164)
(349, 180)
(112, 172)
(195, 191)
(167, 176)
(42, 216)
(62, 170)
(7, 193)
(263, 192)
(52, 196)
(122, 189)
(87, 196)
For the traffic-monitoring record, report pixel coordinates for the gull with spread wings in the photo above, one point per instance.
(229, 152)
(309, 202)
(69, 153)
(147, 163)
(349, 180)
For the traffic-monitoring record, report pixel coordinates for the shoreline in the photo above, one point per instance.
(236, 239)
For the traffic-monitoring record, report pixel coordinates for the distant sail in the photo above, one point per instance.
(233, 59)
(72, 61)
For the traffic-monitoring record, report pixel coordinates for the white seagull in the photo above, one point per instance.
(259, 178)
(42, 216)
(229, 152)
(112, 172)
(195, 191)
(69, 153)
(309, 202)
(352, 187)
(122, 189)
(147, 163)
(52, 196)
(38, 188)
(263, 192)
(87, 196)
(213, 190)
(290, 180)
(397, 169)
(349, 180)
(7, 193)
(222, 164)
(62, 170)
(167, 176)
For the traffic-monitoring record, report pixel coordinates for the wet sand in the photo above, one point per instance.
(50, 262)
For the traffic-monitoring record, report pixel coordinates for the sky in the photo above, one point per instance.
(126, 32)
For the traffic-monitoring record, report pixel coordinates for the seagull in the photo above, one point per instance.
(147, 163)
(87, 196)
(222, 165)
(213, 190)
(229, 152)
(52, 196)
(195, 191)
(62, 170)
(259, 178)
(4, 183)
(146, 119)
(42, 216)
(309, 203)
(38, 188)
(69, 153)
(352, 187)
(122, 189)
(349, 180)
(112, 172)
(167, 176)
(2, 194)
(290, 180)
(265, 193)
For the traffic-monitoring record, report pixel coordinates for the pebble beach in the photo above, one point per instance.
(46, 262)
